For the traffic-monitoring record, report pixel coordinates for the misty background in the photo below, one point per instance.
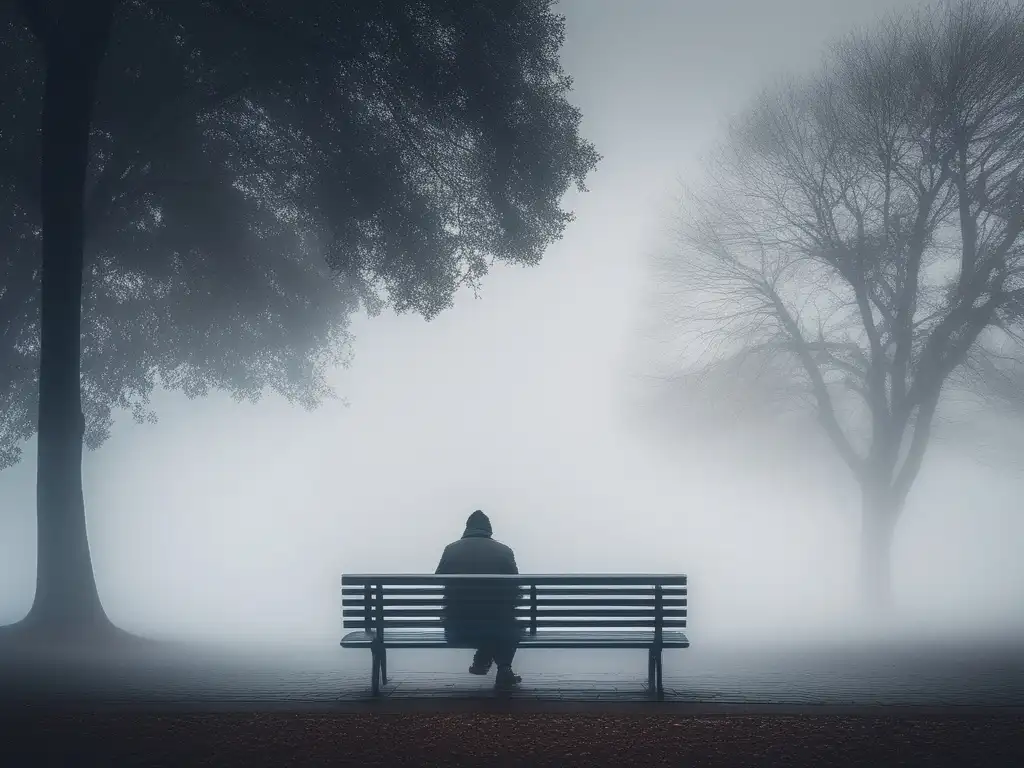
(229, 520)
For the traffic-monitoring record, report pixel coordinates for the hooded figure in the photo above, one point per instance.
(479, 614)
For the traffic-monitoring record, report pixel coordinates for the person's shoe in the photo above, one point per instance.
(479, 669)
(507, 679)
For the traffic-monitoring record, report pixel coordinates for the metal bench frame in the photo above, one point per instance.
(621, 610)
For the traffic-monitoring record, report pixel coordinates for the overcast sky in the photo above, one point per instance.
(229, 518)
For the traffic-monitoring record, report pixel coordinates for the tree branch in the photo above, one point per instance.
(826, 409)
(918, 444)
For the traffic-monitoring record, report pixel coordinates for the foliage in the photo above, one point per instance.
(261, 170)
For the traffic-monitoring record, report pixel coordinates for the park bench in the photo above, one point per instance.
(643, 611)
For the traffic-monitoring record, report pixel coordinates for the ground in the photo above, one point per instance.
(276, 739)
(936, 703)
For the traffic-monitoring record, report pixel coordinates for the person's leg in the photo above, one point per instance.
(505, 646)
(459, 637)
(504, 652)
(471, 637)
(482, 660)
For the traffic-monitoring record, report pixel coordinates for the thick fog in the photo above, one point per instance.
(238, 520)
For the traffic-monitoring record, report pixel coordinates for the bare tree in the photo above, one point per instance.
(858, 248)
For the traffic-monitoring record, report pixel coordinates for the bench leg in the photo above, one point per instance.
(383, 666)
(375, 673)
(652, 663)
(658, 668)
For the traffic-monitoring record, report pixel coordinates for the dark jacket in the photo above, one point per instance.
(470, 605)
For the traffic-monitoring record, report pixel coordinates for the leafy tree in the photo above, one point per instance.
(216, 185)
(859, 247)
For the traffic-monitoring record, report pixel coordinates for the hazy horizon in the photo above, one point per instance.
(234, 520)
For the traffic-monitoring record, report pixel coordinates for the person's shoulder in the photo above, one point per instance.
(502, 546)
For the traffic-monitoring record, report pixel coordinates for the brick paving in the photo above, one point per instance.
(881, 678)
(898, 676)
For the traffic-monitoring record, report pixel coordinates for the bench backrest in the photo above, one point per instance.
(378, 602)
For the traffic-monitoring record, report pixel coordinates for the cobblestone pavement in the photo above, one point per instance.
(935, 676)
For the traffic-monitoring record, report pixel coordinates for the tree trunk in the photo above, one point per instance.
(880, 511)
(66, 599)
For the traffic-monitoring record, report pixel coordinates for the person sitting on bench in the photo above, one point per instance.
(481, 615)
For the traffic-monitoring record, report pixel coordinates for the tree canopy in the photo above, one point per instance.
(258, 171)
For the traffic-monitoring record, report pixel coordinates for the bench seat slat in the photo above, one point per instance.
(543, 639)
(543, 613)
(574, 579)
(542, 591)
(549, 622)
(554, 602)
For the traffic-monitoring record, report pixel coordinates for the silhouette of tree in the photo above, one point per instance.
(859, 248)
(216, 185)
